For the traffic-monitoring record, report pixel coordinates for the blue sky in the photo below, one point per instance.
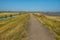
(30, 5)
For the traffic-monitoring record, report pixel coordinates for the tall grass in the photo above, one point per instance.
(14, 28)
(50, 22)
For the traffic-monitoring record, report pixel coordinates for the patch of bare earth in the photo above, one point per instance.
(36, 31)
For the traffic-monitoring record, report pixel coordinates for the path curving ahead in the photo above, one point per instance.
(36, 31)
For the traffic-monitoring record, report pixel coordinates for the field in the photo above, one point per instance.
(51, 22)
(12, 25)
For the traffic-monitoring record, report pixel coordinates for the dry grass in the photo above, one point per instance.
(13, 28)
(3, 14)
(51, 22)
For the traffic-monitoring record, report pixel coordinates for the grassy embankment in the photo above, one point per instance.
(13, 28)
(50, 22)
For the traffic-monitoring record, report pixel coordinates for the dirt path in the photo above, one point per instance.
(37, 31)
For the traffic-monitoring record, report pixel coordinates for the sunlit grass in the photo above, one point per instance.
(14, 28)
(50, 22)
